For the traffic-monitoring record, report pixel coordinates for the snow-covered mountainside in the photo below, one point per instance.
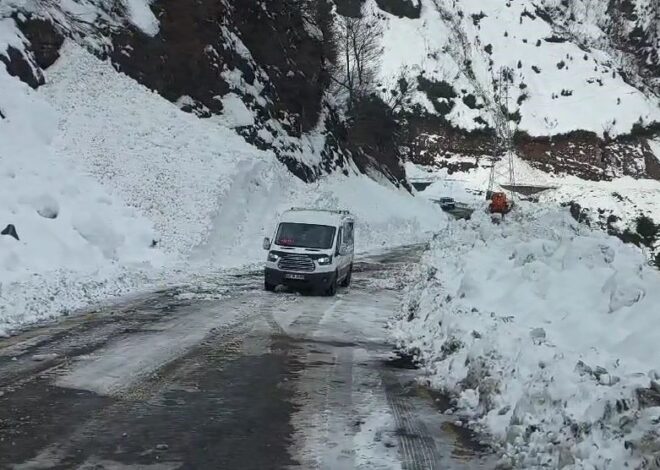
(113, 187)
(582, 98)
(544, 334)
(557, 83)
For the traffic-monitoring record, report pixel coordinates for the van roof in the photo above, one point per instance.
(315, 216)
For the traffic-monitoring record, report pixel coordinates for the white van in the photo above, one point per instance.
(311, 249)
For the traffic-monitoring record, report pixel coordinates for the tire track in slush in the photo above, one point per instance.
(418, 448)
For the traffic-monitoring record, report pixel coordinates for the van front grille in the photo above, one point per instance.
(294, 262)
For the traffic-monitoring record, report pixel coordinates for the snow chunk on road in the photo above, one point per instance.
(544, 331)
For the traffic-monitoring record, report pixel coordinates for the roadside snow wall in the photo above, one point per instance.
(545, 333)
(75, 240)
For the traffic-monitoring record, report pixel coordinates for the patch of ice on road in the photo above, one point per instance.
(44, 357)
(543, 331)
(376, 441)
(122, 363)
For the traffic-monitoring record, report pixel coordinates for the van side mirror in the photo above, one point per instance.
(267, 243)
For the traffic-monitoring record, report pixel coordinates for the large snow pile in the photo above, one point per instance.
(113, 189)
(260, 192)
(170, 165)
(546, 335)
(72, 234)
(455, 50)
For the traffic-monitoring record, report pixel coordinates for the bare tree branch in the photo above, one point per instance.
(359, 41)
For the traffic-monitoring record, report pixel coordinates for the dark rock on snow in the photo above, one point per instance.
(10, 230)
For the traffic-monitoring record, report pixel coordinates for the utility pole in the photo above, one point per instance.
(504, 134)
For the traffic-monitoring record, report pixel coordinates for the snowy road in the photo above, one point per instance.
(227, 378)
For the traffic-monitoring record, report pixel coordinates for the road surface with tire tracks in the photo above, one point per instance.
(227, 377)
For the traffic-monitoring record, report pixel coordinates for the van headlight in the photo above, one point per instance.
(324, 260)
(273, 257)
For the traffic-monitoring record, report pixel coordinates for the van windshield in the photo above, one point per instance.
(305, 236)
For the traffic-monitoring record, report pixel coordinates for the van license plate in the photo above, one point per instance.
(295, 277)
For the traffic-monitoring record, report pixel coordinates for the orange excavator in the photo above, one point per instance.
(499, 204)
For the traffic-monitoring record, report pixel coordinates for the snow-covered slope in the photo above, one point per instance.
(69, 226)
(113, 189)
(545, 334)
(142, 147)
(557, 84)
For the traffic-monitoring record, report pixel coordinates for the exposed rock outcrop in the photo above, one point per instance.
(432, 141)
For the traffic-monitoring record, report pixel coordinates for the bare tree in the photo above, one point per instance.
(359, 44)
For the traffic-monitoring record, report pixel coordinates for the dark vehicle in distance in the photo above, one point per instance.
(447, 203)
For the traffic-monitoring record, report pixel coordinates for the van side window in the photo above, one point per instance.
(348, 234)
(340, 237)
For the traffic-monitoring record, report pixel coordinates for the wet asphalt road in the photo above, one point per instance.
(222, 375)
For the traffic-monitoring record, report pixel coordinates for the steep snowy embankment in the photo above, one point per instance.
(546, 335)
(113, 189)
(73, 236)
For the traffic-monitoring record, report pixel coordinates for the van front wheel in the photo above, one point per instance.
(332, 288)
(268, 287)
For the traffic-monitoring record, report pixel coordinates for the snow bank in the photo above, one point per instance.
(543, 331)
(170, 165)
(68, 226)
(262, 191)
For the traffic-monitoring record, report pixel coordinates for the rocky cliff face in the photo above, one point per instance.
(584, 154)
(267, 59)
(262, 71)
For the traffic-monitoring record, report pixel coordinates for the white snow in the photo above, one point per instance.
(235, 112)
(170, 165)
(69, 226)
(539, 326)
(140, 14)
(655, 147)
(9, 34)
